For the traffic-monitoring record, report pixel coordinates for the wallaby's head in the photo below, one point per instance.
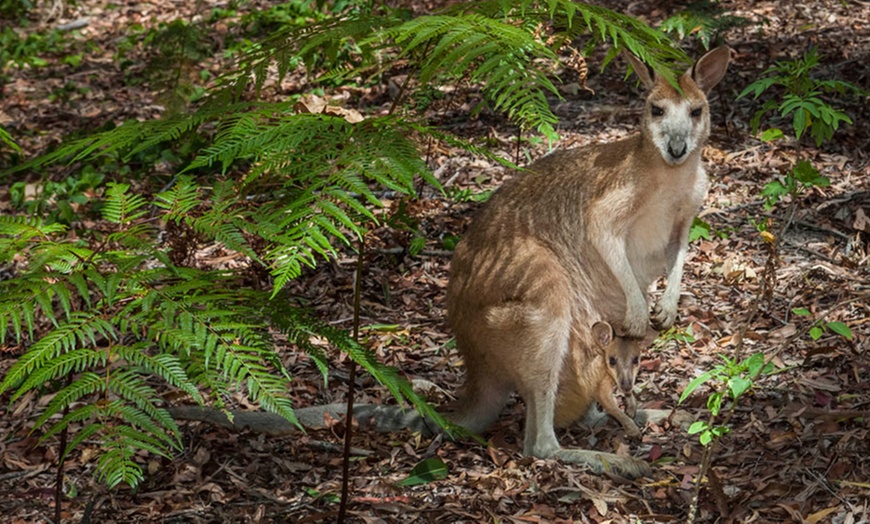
(621, 355)
(678, 123)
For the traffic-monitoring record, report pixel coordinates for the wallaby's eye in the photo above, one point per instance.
(697, 112)
(635, 361)
(657, 111)
(613, 361)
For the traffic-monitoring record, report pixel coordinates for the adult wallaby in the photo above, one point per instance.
(578, 238)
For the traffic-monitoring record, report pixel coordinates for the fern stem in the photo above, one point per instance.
(61, 459)
(345, 466)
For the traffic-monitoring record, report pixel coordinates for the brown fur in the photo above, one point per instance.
(577, 239)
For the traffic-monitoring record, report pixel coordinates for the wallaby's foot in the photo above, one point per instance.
(628, 467)
(663, 317)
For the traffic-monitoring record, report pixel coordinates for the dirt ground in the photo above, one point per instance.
(799, 443)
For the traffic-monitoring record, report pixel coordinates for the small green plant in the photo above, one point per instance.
(15, 9)
(822, 326)
(58, 201)
(27, 51)
(675, 334)
(802, 177)
(705, 19)
(702, 229)
(465, 194)
(803, 100)
(736, 379)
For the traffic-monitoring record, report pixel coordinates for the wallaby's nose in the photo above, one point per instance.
(625, 385)
(677, 148)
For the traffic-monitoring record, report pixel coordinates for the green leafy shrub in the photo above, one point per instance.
(803, 99)
(820, 327)
(27, 51)
(705, 19)
(736, 379)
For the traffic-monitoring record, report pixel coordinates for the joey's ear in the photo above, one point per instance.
(649, 337)
(603, 333)
(644, 72)
(710, 68)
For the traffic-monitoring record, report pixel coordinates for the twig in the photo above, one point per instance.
(348, 430)
(75, 24)
(806, 329)
(823, 229)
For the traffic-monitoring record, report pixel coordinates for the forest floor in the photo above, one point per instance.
(799, 446)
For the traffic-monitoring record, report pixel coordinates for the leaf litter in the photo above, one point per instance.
(799, 442)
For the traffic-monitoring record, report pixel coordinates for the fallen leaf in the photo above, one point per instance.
(819, 515)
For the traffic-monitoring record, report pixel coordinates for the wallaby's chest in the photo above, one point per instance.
(662, 216)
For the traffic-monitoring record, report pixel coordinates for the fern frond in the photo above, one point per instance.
(301, 327)
(75, 361)
(85, 385)
(132, 388)
(182, 198)
(81, 328)
(164, 365)
(487, 50)
(116, 465)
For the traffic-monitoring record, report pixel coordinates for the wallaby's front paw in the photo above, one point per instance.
(632, 430)
(628, 467)
(663, 317)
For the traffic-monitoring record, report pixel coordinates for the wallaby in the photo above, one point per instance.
(579, 238)
(575, 240)
(593, 375)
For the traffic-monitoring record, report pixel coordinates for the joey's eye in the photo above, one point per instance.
(613, 361)
(635, 361)
(657, 111)
(697, 112)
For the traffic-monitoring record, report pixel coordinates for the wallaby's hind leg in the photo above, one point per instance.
(539, 392)
(481, 402)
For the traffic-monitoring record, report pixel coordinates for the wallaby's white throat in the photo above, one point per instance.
(579, 238)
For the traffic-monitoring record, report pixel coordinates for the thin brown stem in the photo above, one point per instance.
(348, 432)
(767, 284)
(58, 481)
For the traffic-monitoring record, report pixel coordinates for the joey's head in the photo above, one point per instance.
(621, 355)
(677, 121)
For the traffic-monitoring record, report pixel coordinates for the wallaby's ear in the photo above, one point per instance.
(644, 72)
(710, 68)
(603, 333)
(648, 338)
